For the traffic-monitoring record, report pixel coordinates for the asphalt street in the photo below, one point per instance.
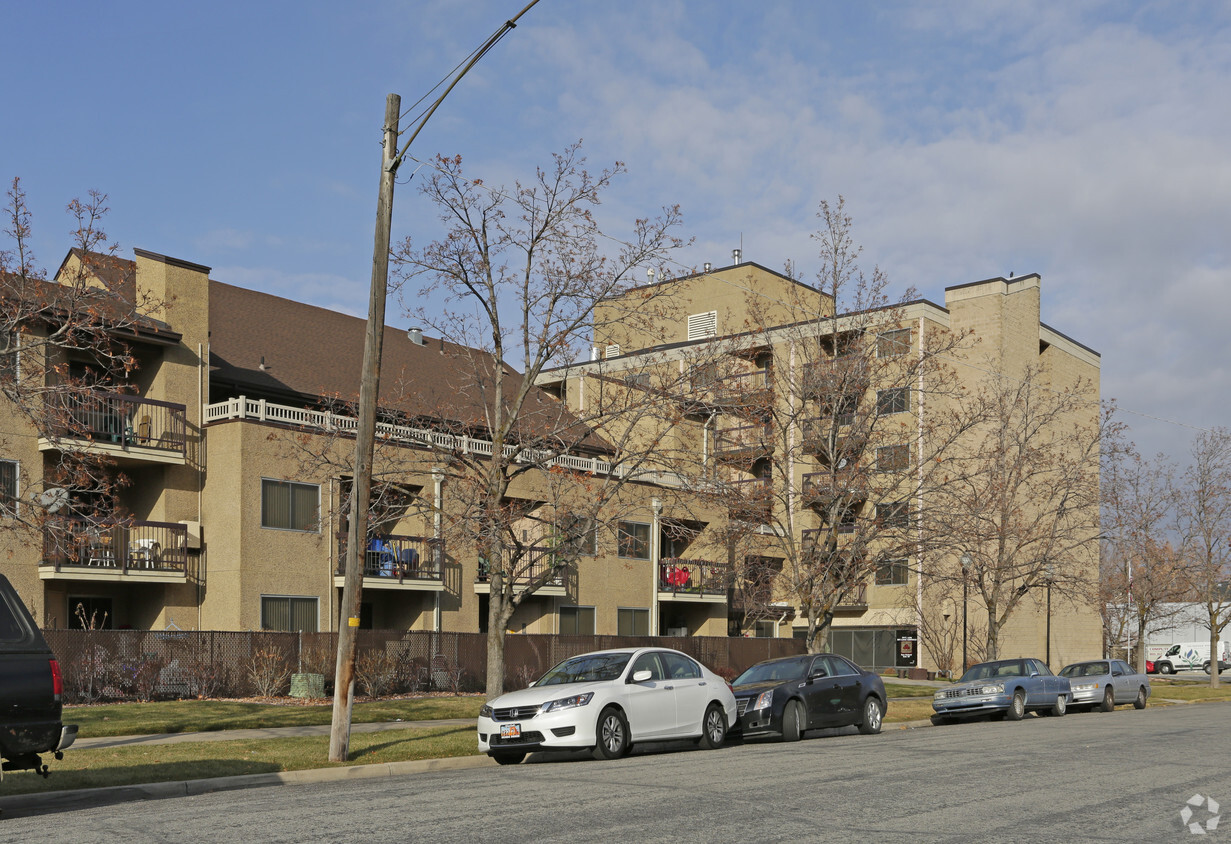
(1115, 776)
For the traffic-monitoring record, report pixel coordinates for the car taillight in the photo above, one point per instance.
(57, 679)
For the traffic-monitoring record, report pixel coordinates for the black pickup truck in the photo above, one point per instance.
(30, 690)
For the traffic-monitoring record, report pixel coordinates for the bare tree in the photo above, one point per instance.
(1023, 493)
(520, 272)
(830, 459)
(1203, 526)
(61, 345)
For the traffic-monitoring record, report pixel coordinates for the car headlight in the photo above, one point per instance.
(1085, 687)
(764, 701)
(939, 696)
(992, 689)
(485, 711)
(566, 703)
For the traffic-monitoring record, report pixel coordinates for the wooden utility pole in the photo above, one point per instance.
(365, 443)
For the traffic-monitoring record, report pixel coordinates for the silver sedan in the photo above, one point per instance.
(1105, 683)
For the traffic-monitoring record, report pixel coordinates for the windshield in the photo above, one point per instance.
(988, 670)
(772, 671)
(586, 669)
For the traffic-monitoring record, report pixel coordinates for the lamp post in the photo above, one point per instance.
(1050, 570)
(966, 563)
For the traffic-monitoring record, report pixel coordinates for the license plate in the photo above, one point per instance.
(508, 731)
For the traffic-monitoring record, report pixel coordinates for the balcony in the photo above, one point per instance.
(127, 551)
(407, 563)
(820, 439)
(537, 562)
(120, 426)
(681, 579)
(855, 599)
(845, 375)
(744, 444)
(823, 488)
(750, 499)
(745, 393)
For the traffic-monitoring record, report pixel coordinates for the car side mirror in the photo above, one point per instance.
(818, 674)
(1034, 674)
(532, 682)
(642, 675)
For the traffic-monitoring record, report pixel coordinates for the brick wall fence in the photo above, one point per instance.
(129, 665)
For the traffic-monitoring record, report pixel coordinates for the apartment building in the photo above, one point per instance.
(823, 433)
(233, 436)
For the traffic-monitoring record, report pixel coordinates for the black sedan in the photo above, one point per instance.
(784, 697)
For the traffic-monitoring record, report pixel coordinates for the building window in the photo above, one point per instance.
(892, 514)
(88, 612)
(765, 629)
(895, 400)
(8, 487)
(289, 506)
(289, 614)
(640, 380)
(576, 621)
(703, 325)
(634, 540)
(842, 409)
(892, 573)
(633, 622)
(893, 458)
(892, 344)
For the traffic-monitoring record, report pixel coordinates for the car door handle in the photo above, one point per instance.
(668, 688)
(702, 683)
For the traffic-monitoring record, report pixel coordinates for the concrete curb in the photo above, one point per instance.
(58, 801)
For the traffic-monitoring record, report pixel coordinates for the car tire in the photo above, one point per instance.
(1140, 702)
(508, 758)
(1060, 707)
(713, 728)
(792, 721)
(1165, 668)
(1017, 706)
(941, 720)
(612, 734)
(1109, 700)
(873, 715)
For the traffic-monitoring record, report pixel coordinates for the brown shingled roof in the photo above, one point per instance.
(311, 353)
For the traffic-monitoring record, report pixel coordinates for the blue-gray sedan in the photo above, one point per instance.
(1106, 682)
(1008, 687)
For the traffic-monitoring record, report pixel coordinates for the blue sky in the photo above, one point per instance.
(1085, 141)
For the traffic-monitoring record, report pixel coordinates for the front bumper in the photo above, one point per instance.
(758, 722)
(567, 730)
(1081, 697)
(972, 704)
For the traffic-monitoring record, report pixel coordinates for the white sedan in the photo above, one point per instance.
(609, 700)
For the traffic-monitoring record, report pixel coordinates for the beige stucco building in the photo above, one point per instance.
(232, 433)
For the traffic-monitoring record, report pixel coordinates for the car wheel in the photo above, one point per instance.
(872, 713)
(1017, 706)
(1165, 668)
(1060, 707)
(941, 720)
(1140, 702)
(612, 735)
(1109, 700)
(508, 758)
(713, 728)
(792, 721)
(1205, 666)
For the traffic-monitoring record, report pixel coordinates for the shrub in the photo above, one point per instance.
(269, 671)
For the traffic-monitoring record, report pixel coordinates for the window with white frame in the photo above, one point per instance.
(633, 539)
(892, 573)
(894, 400)
(892, 344)
(290, 613)
(703, 325)
(286, 505)
(893, 458)
(893, 514)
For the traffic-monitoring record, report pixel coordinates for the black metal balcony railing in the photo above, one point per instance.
(816, 438)
(752, 498)
(745, 441)
(844, 375)
(129, 546)
(117, 418)
(693, 577)
(854, 598)
(536, 562)
(397, 557)
(822, 488)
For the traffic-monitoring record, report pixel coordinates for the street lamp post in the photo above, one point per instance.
(966, 563)
(1050, 569)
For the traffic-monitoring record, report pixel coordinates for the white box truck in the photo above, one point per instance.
(1192, 656)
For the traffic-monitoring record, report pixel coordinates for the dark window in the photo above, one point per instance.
(8, 487)
(634, 540)
(288, 613)
(893, 514)
(893, 458)
(765, 629)
(638, 379)
(680, 667)
(895, 400)
(892, 344)
(289, 506)
(576, 621)
(839, 667)
(892, 573)
(11, 629)
(633, 622)
(649, 662)
(89, 613)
